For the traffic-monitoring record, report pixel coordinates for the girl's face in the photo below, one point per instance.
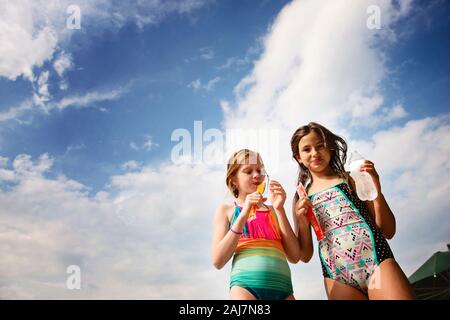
(314, 155)
(248, 177)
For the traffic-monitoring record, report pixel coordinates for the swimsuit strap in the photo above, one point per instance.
(237, 211)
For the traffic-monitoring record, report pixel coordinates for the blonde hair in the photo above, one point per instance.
(236, 161)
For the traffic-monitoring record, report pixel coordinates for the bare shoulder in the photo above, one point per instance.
(225, 210)
(349, 180)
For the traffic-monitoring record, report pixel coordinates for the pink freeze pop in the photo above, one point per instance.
(310, 214)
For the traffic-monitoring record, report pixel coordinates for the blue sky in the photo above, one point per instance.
(86, 118)
(156, 64)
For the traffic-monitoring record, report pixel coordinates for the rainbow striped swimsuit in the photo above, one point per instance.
(259, 263)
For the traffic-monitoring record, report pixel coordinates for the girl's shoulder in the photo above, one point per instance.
(349, 180)
(226, 209)
(322, 185)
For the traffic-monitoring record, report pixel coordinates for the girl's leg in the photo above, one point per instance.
(388, 282)
(239, 293)
(339, 291)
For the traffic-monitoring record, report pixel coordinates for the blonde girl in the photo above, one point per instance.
(258, 237)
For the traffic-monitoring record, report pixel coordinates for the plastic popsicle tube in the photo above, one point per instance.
(260, 188)
(310, 214)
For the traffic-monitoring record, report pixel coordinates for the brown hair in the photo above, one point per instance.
(336, 145)
(238, 159)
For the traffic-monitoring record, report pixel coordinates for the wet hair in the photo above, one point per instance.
(334, 143)
(236, 161)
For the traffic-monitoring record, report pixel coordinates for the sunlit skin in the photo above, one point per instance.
(224, 241)
(391, 281)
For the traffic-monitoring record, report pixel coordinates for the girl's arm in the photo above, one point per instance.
(379, 208)
(302, 228)
(290, 242)
(383, 216)
(224, 240)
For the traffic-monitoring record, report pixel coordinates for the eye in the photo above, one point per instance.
(306, 149)
(261, 172)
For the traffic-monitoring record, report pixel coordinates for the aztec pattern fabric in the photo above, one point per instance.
(353, 246)
(259, 264)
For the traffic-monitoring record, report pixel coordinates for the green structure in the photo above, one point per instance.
(432, 279)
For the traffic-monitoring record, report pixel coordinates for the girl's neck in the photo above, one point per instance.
(327, 174)
(240, 200)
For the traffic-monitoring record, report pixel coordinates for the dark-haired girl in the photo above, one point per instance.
(357, 262)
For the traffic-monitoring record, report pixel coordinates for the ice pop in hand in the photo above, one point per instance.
(310, 214)
(260, 188)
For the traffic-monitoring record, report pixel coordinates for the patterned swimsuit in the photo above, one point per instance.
(353, 246)
(259, 263)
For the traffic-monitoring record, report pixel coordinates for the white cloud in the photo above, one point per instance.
(134, 146)
(16, 112)
(7, 175)
(43, 84)
(62, 63)
(42, 96)
(147, 145)
(74, 147)
(3, 161)
(211, 83)
(21, 47)
(153, 12)
(32, 30)
(206, 53)
(63, 85)
(131, 165)
(116, 240)
(367, 111)
(24, 167)
(247, 59)
(83, 101)
(396, 112)
(197, 85)
(300, 73)
(88, 99)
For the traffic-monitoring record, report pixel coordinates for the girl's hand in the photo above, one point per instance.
(253, 199)
(369, 167)
(301, 207)
(277, 195)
